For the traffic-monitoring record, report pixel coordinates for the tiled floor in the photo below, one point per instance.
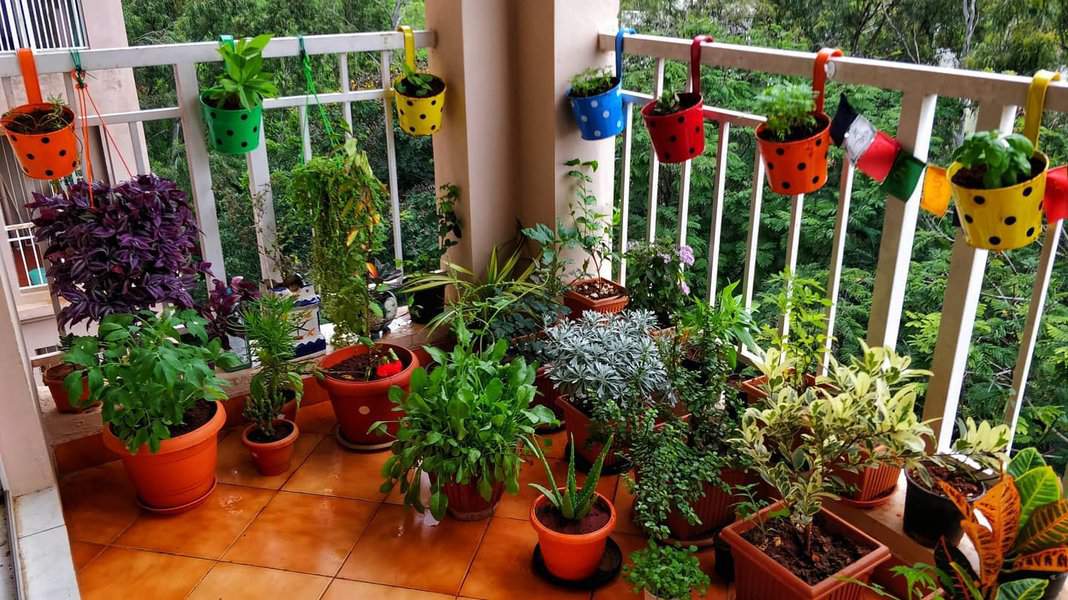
(321, 531)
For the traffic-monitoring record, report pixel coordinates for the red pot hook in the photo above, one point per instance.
(695, 61)
(819, 74)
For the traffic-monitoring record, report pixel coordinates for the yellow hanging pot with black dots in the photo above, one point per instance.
(1009, 217)
(419, 97)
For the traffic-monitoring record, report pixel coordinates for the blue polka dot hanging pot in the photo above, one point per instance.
(601, 116)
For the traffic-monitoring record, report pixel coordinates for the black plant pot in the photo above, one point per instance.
(424, 305)
(1053, 590)
(930, 516)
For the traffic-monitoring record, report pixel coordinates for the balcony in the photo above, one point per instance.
(322, 528)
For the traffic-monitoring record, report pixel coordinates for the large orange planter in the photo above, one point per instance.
(572, 557)
(579, 428)
(359, 404)
(181, 475)
(271, 458)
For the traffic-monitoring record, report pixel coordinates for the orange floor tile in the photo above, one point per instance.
(321, 531)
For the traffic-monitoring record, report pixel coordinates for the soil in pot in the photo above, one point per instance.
(599, 515)
(437, 85)
(929, 515)
(598, 289)
(972, 177)
(41, 118)
(797, 133)
(199, 414)
(281, 431)
(361, 367)
(831, 551)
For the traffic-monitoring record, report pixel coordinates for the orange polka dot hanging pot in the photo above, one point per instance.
(679, 136)
(800, 166)
(41, 133)
(419, 97)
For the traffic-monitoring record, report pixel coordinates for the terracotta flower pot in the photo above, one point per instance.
(757, 576)
(181, 475)
(715, 509)
(1003, 218)
(53, 378)
(572, 557)
(579, 303)
(359, 404)
(873, 485)
(579, 426)
(799, 166)
(754, 388)
(271, 458)
(547, 397)
(466, 504)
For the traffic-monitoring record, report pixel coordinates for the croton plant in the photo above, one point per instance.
(132, 248)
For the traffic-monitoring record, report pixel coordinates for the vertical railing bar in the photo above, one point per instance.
(1031, 330)
(9, 92)
(263, 215)
(37, 257)
(624, 203)
(719, 194)
(391, 161)
(81, 22)
(963, 288)
(138, 150)
(834, 278)
(27, 25)
(57, 26)
(654, 164)
(752, 242)
(72, 101)
(343, 79)
(305, 134)
(684, 201)
(793, 246)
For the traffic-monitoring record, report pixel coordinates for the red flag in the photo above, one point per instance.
(877, 161)
(1056, 200)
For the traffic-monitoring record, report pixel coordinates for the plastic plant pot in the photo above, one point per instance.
(579, 427)
(1003, 218)
(53, 378)
(680, 136)
(800, 166)
(49, 155)
(579, 303)
(601, 117)
(572, 557)
(418, 115)
(715, 509)
(359, 404)
(272, 458)
(466, 504)
(232, 131)
(930, 516)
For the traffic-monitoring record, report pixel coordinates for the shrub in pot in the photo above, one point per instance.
(572, 524)
(233, 107)
(657, 278)
(462, 426)
(427, 303)
(666, 572)
(998, 183)
(159, 402)
(269, 325)
(607, 370)
(132, 250)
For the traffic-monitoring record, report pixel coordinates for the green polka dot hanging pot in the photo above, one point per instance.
(1010, 217)
(601, 116)
(418, 114)
(232, 131)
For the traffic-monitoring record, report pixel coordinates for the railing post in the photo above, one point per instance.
(899, 226)
(263, 217)
(718, 200)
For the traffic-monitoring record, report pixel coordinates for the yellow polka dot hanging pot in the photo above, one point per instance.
(419, 97)
(1009, 217)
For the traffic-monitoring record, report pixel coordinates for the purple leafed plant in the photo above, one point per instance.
(223, 306)
(134, 248)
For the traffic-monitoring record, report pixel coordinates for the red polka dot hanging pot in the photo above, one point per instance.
(679, 136)
(41, 133)
(800, 166)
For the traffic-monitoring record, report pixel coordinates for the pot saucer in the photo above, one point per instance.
(607, 570)
(345, 443)
(174, 510)
(869, 504)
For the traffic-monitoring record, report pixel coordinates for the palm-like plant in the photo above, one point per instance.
(572, 502)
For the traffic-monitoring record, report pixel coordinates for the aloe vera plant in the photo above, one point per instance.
(572, 502)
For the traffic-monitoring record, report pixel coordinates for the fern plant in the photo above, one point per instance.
(573, 503)
(789, 108)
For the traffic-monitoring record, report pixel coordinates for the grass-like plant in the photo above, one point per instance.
(667, 572)
(789, 108)
(1001, 160)
(243, 82)
(572, 502)
(55, 117)
(269, 324)
(592, 81)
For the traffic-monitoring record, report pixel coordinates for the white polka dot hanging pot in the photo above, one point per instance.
(601, 116)
(1008, 217)
(679, 135)
(419, 97)
(800, 166)
(41, 133)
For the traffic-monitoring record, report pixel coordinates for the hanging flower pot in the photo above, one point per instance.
(676, 123)
(419, 97)
(795, 145)
(233, 108)
(41, 133)
(596, 98)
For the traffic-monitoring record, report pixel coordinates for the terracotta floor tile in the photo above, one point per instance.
(620, 589)
(518, 506)
(502, 569)
(98, 503)
(399, 548)
(316, 418)
(84, 552)
(242, 582)
(122, 573)
(204, 532)
(342, 589)
(301, 532)
(334, 471)
(236, 466)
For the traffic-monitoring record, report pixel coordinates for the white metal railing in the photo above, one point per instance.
(184, 59)
(998, 97)
(41, 24)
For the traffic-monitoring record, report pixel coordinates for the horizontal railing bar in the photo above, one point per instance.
(59, 61)
(711, 113)
(905, 77)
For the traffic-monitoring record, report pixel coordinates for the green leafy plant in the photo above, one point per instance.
(712, 333)
(145, 377)
(590, 228)
(463, 422)
(802, 303)
(339, 200)
(53, 118)
(449, 231)
(592, 81)
(572, 502)
(657, 280)
(789, 108)
(978, 443)
(269, 324)
(416, 84)
(667, 572)
(243, 82)
(1000, 160)
(922, 582)
(551, 262)
(1043, 524)
(668, 103)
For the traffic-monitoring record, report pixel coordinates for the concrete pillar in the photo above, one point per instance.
(508, 128)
